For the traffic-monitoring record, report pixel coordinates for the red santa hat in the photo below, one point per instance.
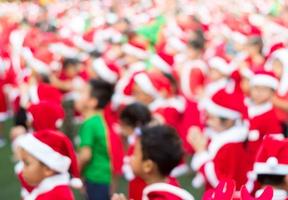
(263, 78)
(135, 49)
(108, 72)
(46, 92)
(163, 61)
(221, 65)
(153, 83)
(55, 150)
(272, 157)
(227, 105)
(46, 115)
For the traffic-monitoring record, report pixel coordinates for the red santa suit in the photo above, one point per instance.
(221, 159)
(60, 157)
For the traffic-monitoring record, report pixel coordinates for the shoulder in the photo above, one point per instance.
(60, 192)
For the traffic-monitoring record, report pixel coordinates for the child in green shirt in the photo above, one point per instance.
(94, 152)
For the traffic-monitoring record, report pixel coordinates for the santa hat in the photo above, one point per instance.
(153, 83)
(135, 49)
(46, 115)
(281, 55)
(163, 61)
(227, 105)
(221, 65)
(272, 157)
(46, 92)
(55, 150)
(267, 79)
(106, 71)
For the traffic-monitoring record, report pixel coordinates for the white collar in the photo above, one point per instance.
(165, 187)
(256, 110)
(238, 133)
(278, 194)
(47, 185)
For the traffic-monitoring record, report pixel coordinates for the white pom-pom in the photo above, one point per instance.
(272, 162)
(76, 183)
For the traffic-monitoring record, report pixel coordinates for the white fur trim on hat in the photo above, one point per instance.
(45, 154)
(134, 51)
(221, 65)
(143, 81)
(104, 71)
(271, 166)
(161, 64)
(265, 80)
(221, 111)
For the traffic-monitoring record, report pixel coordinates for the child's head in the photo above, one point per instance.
(219, 69)
(196, 47)
(71, 67)
(45, 154)
(271, 165)
(224, 109)
(133, 116)
(157, 152)
(255, 45)
(262, 87)
(94, 96)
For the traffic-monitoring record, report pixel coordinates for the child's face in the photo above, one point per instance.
(140, 167)
(84, 101)
(215, 123)
(260, 94)
(34, 171)
(126, 130)
(141, 96)
(277, 68)
(215, 75)
(72, 71)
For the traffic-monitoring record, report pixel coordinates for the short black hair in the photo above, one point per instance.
(136, 115)
(271, 179)
(162, 145)
(70, 62)
(102, 91)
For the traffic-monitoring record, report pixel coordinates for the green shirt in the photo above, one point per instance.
(93, 133)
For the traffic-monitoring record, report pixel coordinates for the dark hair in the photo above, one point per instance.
(269, 179)
(162, 145)
(256, 41)
(197, 44)
(135, 115)
(70, 62)
(102, 91)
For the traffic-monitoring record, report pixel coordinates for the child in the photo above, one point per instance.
(262, 115)
(157, 151)
(48, 158)
(271, 167)
(94, 152)
(226, 132)
(132, 117)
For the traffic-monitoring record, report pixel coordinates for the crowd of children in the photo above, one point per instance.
(100, 90)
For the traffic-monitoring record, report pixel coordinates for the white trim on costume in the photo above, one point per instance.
(143, 81)
(45, 153)
(134, 51)
(278, 194)
(161, 64)
(256, 110)
(101, 68)
(264, 80)
(165, 187)
(221, 111)
(210, 174)
(47, 185)
(267, 168)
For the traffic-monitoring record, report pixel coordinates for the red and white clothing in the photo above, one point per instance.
(166, 191)
(54, 187)
(263, 121)
(221, 159)
(278, 194)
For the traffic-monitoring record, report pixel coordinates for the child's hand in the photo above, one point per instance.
(118, 197)
(196, 139)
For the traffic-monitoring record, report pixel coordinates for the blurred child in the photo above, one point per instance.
(49, 162)
(94, 153)
(262, 115)
(221, 145)
(157, 151)
(132, 117)
(271, 167)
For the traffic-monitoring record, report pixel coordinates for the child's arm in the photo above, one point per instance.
(118, 197)
(84, 156)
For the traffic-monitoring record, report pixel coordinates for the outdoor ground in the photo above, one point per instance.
(10, 190)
